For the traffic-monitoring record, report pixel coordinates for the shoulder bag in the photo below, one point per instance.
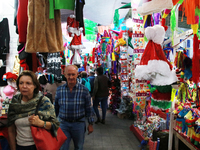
(43, 138)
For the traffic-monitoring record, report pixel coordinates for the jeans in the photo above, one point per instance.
(74, 131)
(104, 106)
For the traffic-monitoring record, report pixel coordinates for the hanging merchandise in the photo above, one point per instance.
(75, 46)
(76, 58)
(49, 39)
(73, 26)
(5, 36)
(147, 7)
(54, 67)
(155, 67)
(60, 4)
(76, 43)
(22, 20)
(90, 28)
(139, 87)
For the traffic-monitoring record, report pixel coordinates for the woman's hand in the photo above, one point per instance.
(35, 120)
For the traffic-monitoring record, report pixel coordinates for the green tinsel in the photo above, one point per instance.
(180, 2)
(161, 104)
(152, 89)
(116, 18)
(197, 11)
(103, 47)
(173, 22)
(164, 89)
(145, 39)
(129, 43)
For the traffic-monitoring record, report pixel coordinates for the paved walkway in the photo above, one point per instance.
(113, 135)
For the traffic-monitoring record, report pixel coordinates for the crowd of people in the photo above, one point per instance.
(70, 110)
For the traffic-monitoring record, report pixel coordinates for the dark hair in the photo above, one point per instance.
(83, 74)
(100, 70)
(33, 77)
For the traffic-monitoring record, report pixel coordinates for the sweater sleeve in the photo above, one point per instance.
(95, 86)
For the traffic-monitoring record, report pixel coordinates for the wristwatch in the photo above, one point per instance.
(44, 124)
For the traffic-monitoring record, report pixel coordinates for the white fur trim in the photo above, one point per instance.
(72, 16)
(157, 71)
(154, 6)
(71, 47)
(157, 108)
(155, 33)
(74, 31)
(158, 100)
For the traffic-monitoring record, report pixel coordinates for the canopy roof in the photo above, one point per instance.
(101, 11)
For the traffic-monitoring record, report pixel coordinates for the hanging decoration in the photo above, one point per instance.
(155, 67)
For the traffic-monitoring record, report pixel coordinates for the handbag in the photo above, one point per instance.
(43, 138)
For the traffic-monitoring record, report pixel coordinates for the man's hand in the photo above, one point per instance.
(90, 128)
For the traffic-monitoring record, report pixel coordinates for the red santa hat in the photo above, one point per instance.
(10, 75)
(76, 43)
(147, 7)
(154, 66)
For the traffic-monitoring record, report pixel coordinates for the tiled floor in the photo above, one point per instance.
(113, 135)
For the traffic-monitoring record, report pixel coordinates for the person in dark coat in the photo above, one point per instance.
(100, 94)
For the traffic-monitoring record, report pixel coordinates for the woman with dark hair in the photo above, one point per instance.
(21, 113)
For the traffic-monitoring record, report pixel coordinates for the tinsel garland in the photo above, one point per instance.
(116, 18)
(183, 93)
(164, 89)
(161, 96)
(173, 23)
(161, 104)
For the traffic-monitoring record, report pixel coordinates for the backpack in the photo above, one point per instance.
(87, 84)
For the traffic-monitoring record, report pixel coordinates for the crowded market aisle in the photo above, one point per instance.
(113, 135)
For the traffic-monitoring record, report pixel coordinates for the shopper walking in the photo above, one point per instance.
(73, 106)
(91, 78)
(100, 94)
(21, 113)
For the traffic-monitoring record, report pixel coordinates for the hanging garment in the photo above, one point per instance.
(60, 4)
(79, 13)
(22, 20)
(4, 36)
(16, 66)
(54, 67)
(43, 34)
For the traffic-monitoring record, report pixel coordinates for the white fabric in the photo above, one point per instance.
(24, 136)
(102, 11)
(157, 71)
(154, 6)
(155, 33)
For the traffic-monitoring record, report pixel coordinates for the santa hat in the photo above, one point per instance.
(73, 26)
(153, 6)
(76, 43)
(10, 75)
(154, 66)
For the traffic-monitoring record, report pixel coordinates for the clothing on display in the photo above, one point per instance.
(4, 37)
(54, 66)
(49, 39)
